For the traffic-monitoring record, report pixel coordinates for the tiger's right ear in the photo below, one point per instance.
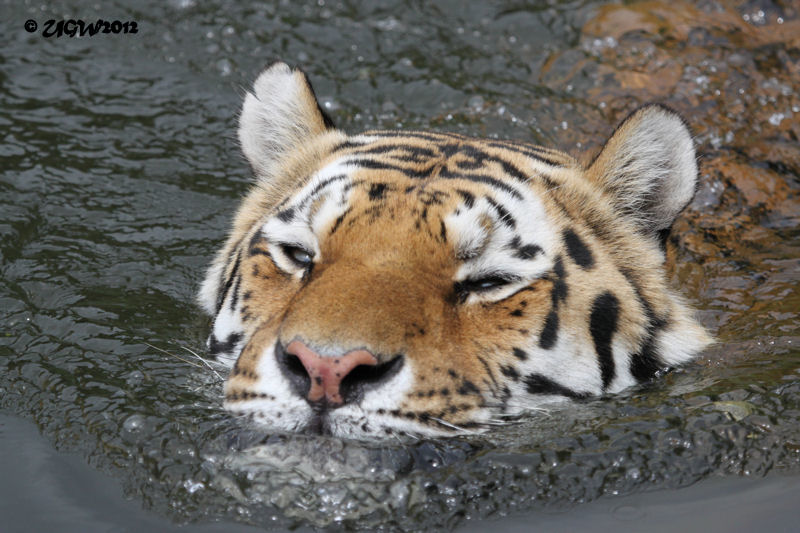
(278, 116)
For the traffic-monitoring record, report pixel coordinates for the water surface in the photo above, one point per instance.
(120, 171)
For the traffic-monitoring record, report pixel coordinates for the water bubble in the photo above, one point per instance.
(134, 378)
(564, 125)
(224, 66)
(133, 424)
(329, 103)
(193, 486)
(387, 24)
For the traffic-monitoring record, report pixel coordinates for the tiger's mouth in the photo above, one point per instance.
(329, 382)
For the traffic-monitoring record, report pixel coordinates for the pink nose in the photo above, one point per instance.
(327, 373)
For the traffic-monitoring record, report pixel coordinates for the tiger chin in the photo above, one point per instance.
(396, 283)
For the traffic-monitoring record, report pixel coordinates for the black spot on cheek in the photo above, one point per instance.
(578, 250)
(468, 387)
(520, 354)
(377, 191)
(510, 372)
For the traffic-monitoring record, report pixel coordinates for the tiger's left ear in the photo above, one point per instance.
(649, 168)
(278, 116)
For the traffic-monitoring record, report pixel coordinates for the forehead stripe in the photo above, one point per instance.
(319, 187)
(526, 151)
(481, 178)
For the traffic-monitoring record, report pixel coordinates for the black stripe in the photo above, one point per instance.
(558, 294)
(235, 293)
(345, 145)
(424, 135)
(525, 251)
(531, 152)
(603, 326)
(506, 218)
(339, 220)
(413, 153)
(549, 334)
(286, 215)
(481, 178)
(228, 282)
(520, 354)
(469, 198)
(321, 185)
(254, 246)
(646, 363)
(578, 250)
(539, 384)
(380, 165)
(489, 372)
(215, 347)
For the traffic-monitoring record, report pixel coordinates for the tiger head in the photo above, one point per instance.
(415, 283)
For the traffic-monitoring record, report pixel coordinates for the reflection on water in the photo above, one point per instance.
(120, 171)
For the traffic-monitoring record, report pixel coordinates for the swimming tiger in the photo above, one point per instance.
(397, 283)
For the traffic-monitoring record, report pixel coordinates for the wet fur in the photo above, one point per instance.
(402, 224)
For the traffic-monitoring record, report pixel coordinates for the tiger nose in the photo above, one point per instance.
(326, 373)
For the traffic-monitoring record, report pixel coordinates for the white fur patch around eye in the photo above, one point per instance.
(518, 242)
(296, 225)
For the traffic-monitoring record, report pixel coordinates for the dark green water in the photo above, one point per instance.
(120, 171)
